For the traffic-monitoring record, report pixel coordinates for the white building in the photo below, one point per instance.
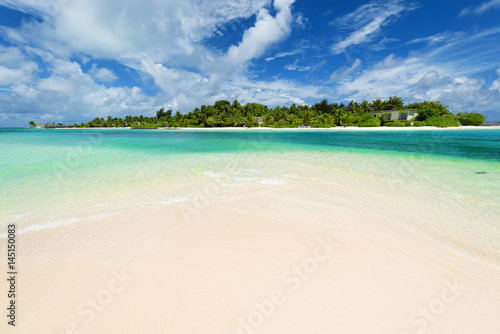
(397, 115)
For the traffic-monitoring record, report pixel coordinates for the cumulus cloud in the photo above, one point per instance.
(366, 21)
(12, 76)
(266, 31)
(127, 28)
(15, 68)
(188, 89)
(103, 74)
(66, 94)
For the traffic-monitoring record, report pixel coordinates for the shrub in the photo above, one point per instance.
(426, 113)
(319, 125)
(349, 120)
(144, 126)
(442, 121)
(284, 126)
(368, 120)
(395, 124)
(418, 123)
(372, 122)
(471, 118)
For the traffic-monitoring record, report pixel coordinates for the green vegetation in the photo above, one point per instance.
(321, 115)
(322, 125)
(396, 124)
(470, 118)
(369, 120)
(442, 121)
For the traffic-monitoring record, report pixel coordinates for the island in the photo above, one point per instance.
(390, 113)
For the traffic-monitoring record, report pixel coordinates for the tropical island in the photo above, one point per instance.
(392, 113)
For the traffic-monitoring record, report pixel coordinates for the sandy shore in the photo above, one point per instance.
(253, 259)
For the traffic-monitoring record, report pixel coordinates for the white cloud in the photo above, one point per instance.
(67, 95)
(56, 84)
(103, 74)
(382, 44)
(301, 20)
(367, 20)
(266, 31)
(485, 6)
(456, 72)
(345, 71)
(11, 55)
(15, 68)
(282, 54)
(181, 88)
(496, 84)
(117, 101)
(21, 74)
(126, 28)
(418, 79)
(438, 38)
(295, 67)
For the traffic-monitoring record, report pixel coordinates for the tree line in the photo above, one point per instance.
(224, 113)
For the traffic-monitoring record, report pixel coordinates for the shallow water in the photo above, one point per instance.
(443, 183)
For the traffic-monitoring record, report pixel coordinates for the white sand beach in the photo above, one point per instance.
(250, 259)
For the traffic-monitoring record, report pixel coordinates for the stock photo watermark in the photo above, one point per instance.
(75, 156)
(292, 279)
(89, 309)
(202, 198)
(12, 250)
(420, 320)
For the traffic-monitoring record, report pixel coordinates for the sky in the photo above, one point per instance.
(70, 61)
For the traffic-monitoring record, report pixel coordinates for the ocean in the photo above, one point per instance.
(444, 183)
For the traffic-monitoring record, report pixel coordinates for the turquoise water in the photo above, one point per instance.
(52, 177)
(470, 144)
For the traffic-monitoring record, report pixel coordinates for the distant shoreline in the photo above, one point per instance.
(338, 128)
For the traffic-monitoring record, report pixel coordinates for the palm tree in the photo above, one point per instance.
(339, 114)
(395, 102)
(306, 116)
(366, 107)
(269, 116)
(378, 105)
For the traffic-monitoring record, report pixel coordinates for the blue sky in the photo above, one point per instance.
(72, 60)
